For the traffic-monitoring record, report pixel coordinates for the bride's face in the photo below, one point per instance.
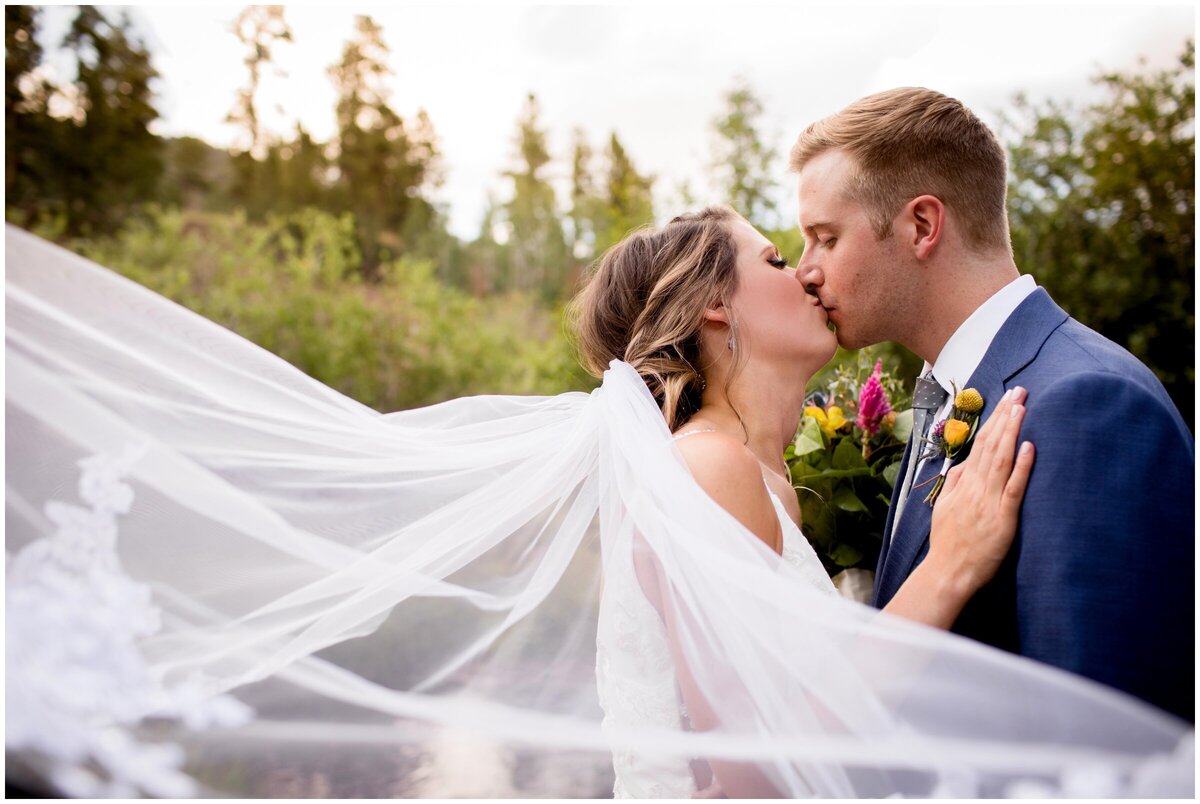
(775, 317)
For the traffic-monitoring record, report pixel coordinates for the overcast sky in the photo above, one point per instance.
(653, 74)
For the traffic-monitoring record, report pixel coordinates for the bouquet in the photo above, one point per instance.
(845, 460)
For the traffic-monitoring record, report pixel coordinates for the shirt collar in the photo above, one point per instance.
(964, 351)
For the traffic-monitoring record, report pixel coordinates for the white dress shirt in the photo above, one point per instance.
(963, 353)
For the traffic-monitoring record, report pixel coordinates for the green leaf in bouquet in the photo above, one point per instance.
(809, 438)
(891, 472)
(802, 473)
(903, 427)
(887, 502)
(818, 518)
(848, 455)
(845, 556)
(845, 498)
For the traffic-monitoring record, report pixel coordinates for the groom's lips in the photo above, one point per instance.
(828, 313)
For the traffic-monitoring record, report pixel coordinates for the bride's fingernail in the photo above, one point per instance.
(1026, 447)
(1015, 411)
(1007, 395)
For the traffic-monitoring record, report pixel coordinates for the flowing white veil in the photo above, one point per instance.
(310, 598)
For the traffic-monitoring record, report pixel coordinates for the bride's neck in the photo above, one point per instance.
(758, 405)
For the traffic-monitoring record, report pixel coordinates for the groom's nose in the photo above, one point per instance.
(809, 276)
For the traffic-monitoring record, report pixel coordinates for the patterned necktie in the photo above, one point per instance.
(928, 396)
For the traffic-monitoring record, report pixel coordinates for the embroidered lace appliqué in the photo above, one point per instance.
(77, 684)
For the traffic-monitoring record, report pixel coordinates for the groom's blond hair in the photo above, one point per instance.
(912, 141)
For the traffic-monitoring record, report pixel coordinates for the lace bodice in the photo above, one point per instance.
(635, 674)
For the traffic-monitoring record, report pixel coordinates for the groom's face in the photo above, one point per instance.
(856, 276)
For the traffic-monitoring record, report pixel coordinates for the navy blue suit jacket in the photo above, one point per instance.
(1100, 580)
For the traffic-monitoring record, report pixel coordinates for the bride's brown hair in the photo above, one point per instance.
(644, 303)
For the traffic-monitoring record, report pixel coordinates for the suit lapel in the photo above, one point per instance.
(890, 523)
(1015, 345)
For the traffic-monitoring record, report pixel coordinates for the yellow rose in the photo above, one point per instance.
(956, 433)
(968, 400)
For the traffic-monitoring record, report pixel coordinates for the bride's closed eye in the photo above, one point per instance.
(778, 262)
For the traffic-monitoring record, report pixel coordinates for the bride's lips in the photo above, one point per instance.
(816, 301)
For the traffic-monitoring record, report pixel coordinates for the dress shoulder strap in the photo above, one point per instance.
(687, 433)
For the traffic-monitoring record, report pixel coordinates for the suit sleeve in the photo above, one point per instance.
(1105, 574)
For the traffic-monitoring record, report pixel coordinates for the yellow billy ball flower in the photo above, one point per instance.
(837, 419)
(968, 400)
(956, 433)
(814, 412)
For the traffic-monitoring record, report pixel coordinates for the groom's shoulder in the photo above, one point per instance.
(1079, 366)
(1073, 349)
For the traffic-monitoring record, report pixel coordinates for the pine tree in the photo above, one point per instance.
(583, 199)
(743, 164)
(537, 250)
(382, 164)
(259, 29)
(627, 201)
(303, 169)
(110, 161)
(28, 168)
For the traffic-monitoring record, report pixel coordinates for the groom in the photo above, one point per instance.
(902, 205)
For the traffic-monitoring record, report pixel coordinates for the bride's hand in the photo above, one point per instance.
(976, 513)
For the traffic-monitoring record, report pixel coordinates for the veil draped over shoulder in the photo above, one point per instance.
(226, 578)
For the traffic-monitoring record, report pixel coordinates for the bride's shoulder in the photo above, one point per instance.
(730, 473)
(711, 452)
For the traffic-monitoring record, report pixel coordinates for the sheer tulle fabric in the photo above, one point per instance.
(427, 584)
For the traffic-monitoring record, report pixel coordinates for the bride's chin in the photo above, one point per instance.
(830, 345)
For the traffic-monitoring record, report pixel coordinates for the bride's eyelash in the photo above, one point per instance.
(778, 262)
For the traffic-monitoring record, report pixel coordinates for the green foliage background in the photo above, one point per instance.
(1102, 205)
(335, 255)
(291, 284)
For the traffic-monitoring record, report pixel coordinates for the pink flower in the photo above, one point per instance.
(873, 403)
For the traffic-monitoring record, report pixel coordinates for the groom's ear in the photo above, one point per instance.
(925, 217)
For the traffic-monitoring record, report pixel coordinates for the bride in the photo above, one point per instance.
(717, 326)
(199, 534)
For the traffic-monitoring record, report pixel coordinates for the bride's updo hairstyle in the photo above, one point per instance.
(644, 303)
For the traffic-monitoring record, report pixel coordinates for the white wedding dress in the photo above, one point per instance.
(351, 589)
(635, 673)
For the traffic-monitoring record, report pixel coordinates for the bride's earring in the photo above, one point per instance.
(732, 337)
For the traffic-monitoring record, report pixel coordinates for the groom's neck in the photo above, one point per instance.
(959, 291)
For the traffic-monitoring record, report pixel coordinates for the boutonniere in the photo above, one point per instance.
(950, 435)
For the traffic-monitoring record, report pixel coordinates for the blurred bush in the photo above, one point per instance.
(291, 283)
